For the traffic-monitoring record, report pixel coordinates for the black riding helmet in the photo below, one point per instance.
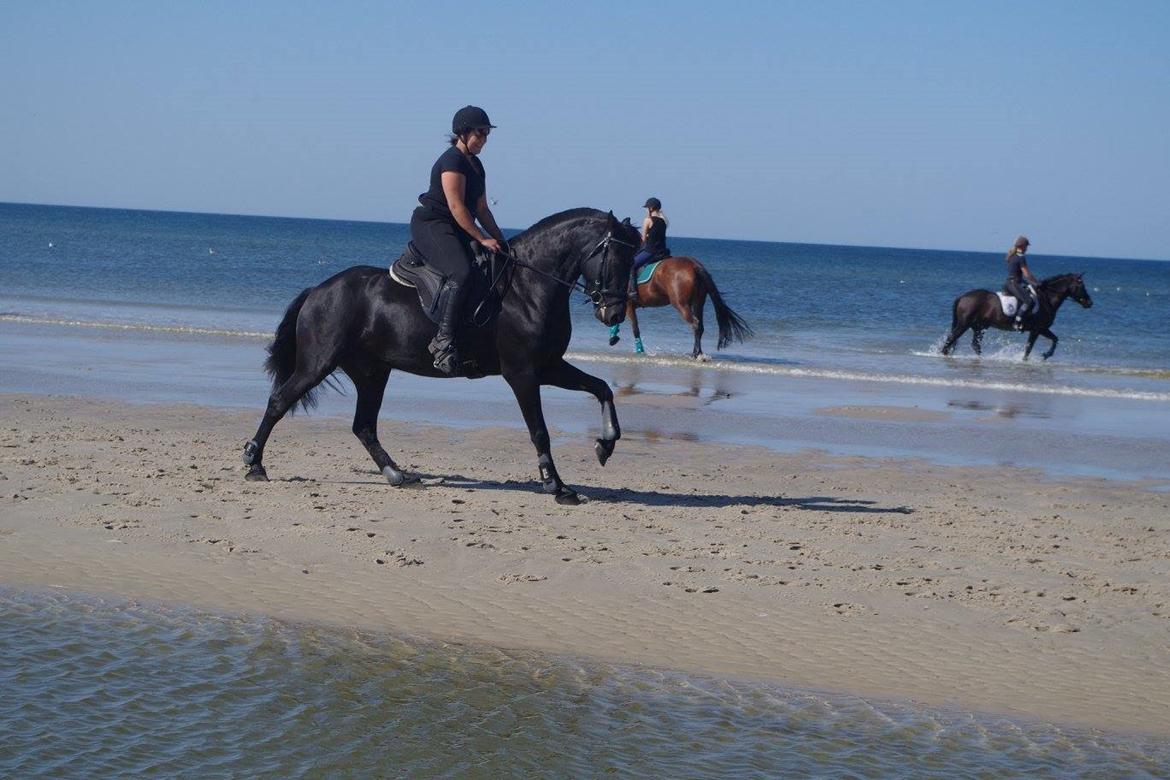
(469, 118)
(653, 203)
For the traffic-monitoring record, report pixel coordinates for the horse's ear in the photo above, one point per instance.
(626, 221)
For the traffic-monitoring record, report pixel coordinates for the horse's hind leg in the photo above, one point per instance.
(696, 310)
(569, 377)
(633, 318)
(955, 334)
(977, 340)
(283, 398)
(370, 389)
(1031, 343)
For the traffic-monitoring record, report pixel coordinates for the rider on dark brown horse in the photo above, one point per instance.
(1018, 273)
(443, 226)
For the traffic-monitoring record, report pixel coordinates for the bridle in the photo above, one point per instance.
(595, 290)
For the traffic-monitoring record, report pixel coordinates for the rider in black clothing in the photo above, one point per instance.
(653, 235)
(443, 226)
(1018, 272)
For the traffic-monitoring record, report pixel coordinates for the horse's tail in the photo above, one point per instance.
(731, 325)
(282, 352)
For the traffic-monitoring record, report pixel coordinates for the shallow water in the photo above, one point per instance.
(107, 688)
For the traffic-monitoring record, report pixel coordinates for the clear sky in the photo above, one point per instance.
(926, 124)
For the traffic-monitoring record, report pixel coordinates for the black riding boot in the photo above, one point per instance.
(442, 346)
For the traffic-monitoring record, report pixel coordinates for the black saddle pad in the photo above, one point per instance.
(480, 305)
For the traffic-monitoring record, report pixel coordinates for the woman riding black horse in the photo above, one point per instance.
(1019, 277)
(364, 323)
(981, 309)
(443, 226)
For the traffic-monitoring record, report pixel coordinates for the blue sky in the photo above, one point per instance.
(926, 124)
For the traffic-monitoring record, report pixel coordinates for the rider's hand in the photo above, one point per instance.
(492, 244)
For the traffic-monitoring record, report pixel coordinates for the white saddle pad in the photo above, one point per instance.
(1009, 304)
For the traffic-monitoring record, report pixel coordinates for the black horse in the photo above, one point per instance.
(981, 309)
(364, 323)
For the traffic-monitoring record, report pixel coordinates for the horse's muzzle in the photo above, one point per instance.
(610, 314)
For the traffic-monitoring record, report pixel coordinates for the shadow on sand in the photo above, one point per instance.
(659, 498)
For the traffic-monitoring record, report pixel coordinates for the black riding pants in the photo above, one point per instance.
(444, 245)
(1020, 291)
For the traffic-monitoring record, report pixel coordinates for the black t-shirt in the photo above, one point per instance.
(1014, 263)
(457, 162)
(656, 235)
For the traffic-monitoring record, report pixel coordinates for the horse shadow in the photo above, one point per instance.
(657, 498)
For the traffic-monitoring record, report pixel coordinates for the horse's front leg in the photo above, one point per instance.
(1031, 343)
(1046, 333)
(633, 318)
(526, 388)
(569, 377)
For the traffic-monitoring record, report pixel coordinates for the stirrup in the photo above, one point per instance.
(446, 359)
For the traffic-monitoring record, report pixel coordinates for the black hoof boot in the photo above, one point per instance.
(250, 451)
(256, 474)
(566, 497)
(603, 449)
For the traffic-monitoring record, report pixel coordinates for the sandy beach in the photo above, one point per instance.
(973, 587)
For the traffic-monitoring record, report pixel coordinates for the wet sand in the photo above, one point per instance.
(976, 587)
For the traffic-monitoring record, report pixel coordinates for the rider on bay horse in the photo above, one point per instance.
(653, 248)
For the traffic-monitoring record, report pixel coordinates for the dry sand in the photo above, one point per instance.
(973, 587)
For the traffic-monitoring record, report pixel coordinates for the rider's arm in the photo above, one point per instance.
(1028, 273)
(646, 225)
(487, 218)
(454, 185)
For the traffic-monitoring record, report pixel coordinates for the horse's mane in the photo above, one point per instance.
(1051, 280)
(560, 218)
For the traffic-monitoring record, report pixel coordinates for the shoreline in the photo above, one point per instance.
(955, 587)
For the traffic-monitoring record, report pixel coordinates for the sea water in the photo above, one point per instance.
(176, 307)
(99, 687)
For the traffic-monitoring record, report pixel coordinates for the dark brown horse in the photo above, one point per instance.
(978, 310)
(683, 282)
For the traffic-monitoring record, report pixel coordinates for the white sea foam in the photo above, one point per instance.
(134, 326)
(738, 367)
(862, 376)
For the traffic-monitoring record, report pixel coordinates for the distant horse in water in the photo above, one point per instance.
(978, 310)
(364, 323)
(683, 282)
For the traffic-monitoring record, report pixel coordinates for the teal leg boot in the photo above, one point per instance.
(638, 348)
(613, 334)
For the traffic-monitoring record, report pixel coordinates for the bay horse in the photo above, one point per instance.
(366, 324)
(684, 283)
(978, 310)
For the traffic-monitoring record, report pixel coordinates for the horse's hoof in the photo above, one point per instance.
(256, 474)
(614, 339)
(702, 358)
(398, 478)
(603, 449)
(568, 497)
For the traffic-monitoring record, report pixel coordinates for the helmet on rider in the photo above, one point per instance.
(469, 118)
(653, 203)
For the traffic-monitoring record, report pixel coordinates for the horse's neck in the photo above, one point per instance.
(545, 284)
(1057, 294)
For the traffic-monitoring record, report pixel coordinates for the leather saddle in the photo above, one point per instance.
(481, 304)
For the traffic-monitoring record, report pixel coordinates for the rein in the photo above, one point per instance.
(596, 296)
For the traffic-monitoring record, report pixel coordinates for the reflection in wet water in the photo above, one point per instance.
(1009, 410)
